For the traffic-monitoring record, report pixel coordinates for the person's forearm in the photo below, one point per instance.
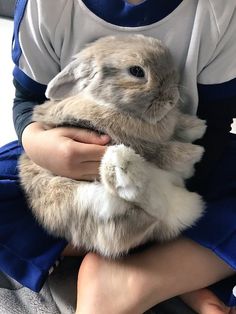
(24, 103)
(28, 135)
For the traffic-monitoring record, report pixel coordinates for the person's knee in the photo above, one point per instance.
(89, 266)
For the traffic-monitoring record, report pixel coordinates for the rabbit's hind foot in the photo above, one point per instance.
(123, 172)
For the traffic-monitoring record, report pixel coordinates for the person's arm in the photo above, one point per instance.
(69, 152)
(23, 105)
(37, 48)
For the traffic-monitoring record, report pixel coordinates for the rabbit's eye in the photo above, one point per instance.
(136, 71)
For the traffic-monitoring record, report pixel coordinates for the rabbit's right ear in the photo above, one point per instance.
(71, 80)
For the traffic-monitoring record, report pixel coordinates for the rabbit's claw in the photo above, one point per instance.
(123, 172)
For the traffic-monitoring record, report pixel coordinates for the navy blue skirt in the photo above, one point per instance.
(216, 229)
(27, 252)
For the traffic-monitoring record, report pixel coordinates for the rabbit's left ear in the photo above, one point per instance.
(71, 80)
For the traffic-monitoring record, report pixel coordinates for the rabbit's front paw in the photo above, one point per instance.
(123, 172)
(197, 130)
(192, 155)
(192, 129)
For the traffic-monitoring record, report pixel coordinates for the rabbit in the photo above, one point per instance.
(126, 87)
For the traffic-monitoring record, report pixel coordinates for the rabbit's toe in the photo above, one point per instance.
(123, 172)
(197, 153)
(194, 131)
(125, 186)
(198, 130)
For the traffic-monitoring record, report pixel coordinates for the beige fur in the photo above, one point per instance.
(141, 195)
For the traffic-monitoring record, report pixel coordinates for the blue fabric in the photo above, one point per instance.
(217, 92)
(18, 16)
(222, 290)
(121, 13)
(27, 252)
(26, 82)
(21, 77)
(217, 107)
(216, 229)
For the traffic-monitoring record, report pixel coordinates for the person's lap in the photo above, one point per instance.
(216, 229)
(30, 250)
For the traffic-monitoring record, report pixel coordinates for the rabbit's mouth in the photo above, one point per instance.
(157, 110)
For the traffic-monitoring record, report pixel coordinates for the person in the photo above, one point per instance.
(202, 39)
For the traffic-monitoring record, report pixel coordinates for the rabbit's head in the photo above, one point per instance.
(132, 73)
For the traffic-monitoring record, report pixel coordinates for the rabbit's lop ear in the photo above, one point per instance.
(70, 81)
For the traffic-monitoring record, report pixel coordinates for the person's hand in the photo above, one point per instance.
(69, 152)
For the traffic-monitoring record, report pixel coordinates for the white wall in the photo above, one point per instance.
(7, 132)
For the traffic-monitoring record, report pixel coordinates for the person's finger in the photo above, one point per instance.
(85, 136)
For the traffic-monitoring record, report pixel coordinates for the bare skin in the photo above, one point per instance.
(69, 152)
(76, 154)
(136, 283)
(203, 301)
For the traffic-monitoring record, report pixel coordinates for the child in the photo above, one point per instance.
(202, 39)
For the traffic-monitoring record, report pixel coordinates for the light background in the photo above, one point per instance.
(7, 132)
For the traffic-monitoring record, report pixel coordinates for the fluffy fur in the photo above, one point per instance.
(126, 87)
